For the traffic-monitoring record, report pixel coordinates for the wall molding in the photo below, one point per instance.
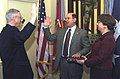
(31, 1)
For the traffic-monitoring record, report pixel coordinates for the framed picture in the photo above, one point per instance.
(25, 0)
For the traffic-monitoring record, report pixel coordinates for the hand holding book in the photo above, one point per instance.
(81, 61)
(77, 58)
(72, 59)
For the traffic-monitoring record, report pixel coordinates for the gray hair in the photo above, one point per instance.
(11, 13)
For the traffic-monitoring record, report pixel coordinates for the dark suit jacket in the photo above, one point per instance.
(102, 52)
(79, 42)
(117, 50)
(12, 52)
(116, 69)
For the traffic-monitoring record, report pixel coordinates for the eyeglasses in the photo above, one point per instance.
(21, 18)
(68, 18)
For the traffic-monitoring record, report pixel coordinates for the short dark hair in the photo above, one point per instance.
(107, 20)
(74, 16)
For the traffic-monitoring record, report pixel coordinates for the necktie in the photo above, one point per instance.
(66, 43)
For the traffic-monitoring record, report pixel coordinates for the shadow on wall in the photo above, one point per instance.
(30, 41)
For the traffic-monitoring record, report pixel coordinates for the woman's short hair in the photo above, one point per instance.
(107, 20)
(74, 16)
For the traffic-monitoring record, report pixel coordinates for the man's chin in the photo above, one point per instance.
(66, 26)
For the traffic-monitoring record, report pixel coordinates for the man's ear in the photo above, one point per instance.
(75, 19)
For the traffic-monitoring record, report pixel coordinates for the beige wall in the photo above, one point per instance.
(3, 9)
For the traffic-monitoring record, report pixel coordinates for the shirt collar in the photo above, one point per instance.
(72, 28)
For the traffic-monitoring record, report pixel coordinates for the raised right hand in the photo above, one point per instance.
(34, 11)
(47, 21)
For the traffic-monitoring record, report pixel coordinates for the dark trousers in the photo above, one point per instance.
(116, 69)
(100, 74)
(70, 70)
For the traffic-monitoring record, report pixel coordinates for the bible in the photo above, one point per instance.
(73, 60)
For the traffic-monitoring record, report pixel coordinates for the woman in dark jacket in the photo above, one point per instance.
(100, 58)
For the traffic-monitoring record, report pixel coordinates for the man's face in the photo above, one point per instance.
(18, 19)
(69, 20)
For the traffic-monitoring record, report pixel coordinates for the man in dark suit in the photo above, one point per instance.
(78, 44)
(116, 68)
(15, 62)
(116, 59)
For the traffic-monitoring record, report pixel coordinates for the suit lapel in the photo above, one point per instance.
(63, 32)
(75, 35)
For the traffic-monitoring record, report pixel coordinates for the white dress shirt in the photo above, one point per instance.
(72, 32)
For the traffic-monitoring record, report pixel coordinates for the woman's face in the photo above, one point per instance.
(100, 26)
